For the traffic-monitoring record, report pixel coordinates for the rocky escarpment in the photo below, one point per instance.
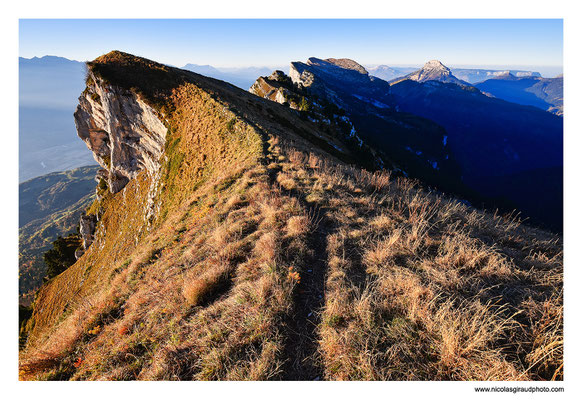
(333, 78)
(123, 132)
(125, 135)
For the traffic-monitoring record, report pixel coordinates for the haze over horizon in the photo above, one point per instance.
(496, 44)
(547, 71)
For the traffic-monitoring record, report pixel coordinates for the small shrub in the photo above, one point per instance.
(304, 105)
(62, 255)
(230, 125)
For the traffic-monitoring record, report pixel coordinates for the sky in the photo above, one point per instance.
(272, 42)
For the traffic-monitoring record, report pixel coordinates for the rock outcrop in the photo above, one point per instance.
(87, 225)
(125, 135)
(277, 87)
(123, 132)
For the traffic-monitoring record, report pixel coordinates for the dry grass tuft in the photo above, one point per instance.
(298, 225)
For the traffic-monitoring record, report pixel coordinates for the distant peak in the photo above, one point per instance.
(435, 64)
(434, 70)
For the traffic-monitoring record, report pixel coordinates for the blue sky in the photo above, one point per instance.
(230, 43)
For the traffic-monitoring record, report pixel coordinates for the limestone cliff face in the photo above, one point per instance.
(123, 132)
(125, 135)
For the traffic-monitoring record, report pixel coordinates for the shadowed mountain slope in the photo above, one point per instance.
(408, 143)
(491, 138)
(544, 93)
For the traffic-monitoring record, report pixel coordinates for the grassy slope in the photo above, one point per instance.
(49, 206)
(271, 259)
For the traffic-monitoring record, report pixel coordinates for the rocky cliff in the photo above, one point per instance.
(123, 132)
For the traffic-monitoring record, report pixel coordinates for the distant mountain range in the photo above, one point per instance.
(516, 86)
(240, 77)
(497, 143)
(479, 75)
(470, 75)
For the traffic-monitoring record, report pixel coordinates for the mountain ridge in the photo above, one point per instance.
(406, 143)
(254, 252)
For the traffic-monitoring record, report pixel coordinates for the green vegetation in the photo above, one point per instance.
(303, 105)
(24, 314)
(62, 255)
(107, 161)
(230, 125)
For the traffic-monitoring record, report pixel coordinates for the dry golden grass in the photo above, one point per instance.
(298, 225)
(429, 289)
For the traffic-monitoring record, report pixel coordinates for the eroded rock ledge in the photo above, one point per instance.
(123, 132)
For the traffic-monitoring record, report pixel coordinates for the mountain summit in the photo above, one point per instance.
(434, 70)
